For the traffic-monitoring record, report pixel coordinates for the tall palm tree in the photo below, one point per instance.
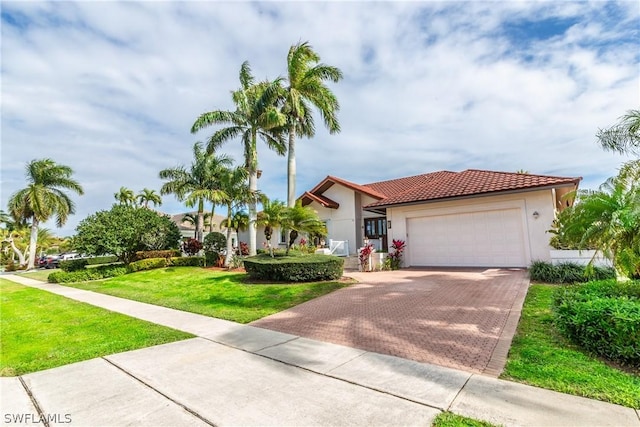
(147, 196)
(235, 192)
(252, 118)
(305, 89)
(239, 221)
(271, 217)
(623, 137)
(301, 219)
(44, 197)
(125, 196)
(197, 184)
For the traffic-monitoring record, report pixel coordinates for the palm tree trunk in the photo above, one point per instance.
(200, 223)
(32, 244)
(213, 210)
(229, 254)
(291, 169)
(253, 189)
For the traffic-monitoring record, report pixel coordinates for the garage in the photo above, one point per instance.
(494, 238)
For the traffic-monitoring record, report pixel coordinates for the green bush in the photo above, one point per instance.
(309, 268)
(147, 264)
(214, 242)
(73, 264)
(542, 271)
(211, 258)
(602, 317)
(189, 261)
(108, 259)
(100, 272)
(169, 253)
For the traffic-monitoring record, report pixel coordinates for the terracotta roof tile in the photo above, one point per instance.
(324, 201)
(444, 185)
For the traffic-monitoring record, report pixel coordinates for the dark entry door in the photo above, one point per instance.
(376, 228)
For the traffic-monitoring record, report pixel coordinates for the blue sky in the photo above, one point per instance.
(112, 89)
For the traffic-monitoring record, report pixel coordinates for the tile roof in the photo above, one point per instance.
(319, 198)
(444, 185)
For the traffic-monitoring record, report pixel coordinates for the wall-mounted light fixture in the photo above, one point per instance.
(388, 224)
(535, 214)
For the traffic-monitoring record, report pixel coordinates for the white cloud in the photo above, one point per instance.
(112, 89)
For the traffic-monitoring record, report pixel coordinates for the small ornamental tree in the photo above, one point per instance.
(125, 230)
(215, 242)
(191, 247)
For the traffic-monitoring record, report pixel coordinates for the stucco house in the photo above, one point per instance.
(469, 218)
(188, 229)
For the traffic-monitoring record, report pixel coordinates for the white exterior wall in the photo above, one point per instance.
(341, 222)
(536, 235)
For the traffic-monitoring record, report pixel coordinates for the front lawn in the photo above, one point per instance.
(448, 419)
(40, 275)
(221, 294)
(40, 330)
(540, 356)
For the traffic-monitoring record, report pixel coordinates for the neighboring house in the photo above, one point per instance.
(188, 230)
(468, 218)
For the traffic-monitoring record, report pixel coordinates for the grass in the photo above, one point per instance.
(40, 330)
(41, 275)
(448, 419)
(221, 294)
(542, 357)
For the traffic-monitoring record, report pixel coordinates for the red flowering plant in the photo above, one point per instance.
(364, 254)
(243, 249)
(395, 258)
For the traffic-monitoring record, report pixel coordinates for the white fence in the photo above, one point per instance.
(579, 257)
(339, 247)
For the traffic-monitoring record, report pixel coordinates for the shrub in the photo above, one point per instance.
(310, 268)
(108, 259)
(146, 264)
(191, 247)
(192, 261)
(169, 253)
(603, 317)
(543, 271)
(243, 249)
(11, 266)
(211, 258)
(73, 264)
(395, 258)
(215, 242)
(101, 272)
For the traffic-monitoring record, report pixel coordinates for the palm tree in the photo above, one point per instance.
(239, 221)
(235, 192)
(271, 217)
(623, 137)
(306, 78)
(301, 219)
(147, 196)
(197, 184)
(255, 116)
(125, 196)
(609, 219)
(193, 220)
(44, 197)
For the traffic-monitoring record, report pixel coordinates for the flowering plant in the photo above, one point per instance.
(363, 256)
(395, 258)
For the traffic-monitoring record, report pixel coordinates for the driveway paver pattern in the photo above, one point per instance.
(453, 318)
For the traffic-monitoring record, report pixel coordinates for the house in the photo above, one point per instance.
(188, 228)
(469, 218)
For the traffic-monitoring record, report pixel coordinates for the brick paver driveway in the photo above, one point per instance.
(463, 318)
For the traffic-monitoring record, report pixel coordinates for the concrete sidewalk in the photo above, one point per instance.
(243, 375)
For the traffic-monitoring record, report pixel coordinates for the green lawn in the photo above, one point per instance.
(36, 275)
(220, 294)
(40, 330)
(540, 356)
(448, 419)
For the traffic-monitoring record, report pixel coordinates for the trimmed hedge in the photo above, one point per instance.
(152, 263)
(542, 271)
(309, 268)
(169, 253)
(602, 317)
(73, 264)
(107, 259)
(100, 272)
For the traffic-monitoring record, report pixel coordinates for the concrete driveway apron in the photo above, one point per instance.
(463, 318)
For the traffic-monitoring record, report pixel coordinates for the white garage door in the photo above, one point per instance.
(484, 239)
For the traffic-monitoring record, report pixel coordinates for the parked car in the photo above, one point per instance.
(52, 261)
(68, 255)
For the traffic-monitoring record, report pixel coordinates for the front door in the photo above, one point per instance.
(376, 228)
